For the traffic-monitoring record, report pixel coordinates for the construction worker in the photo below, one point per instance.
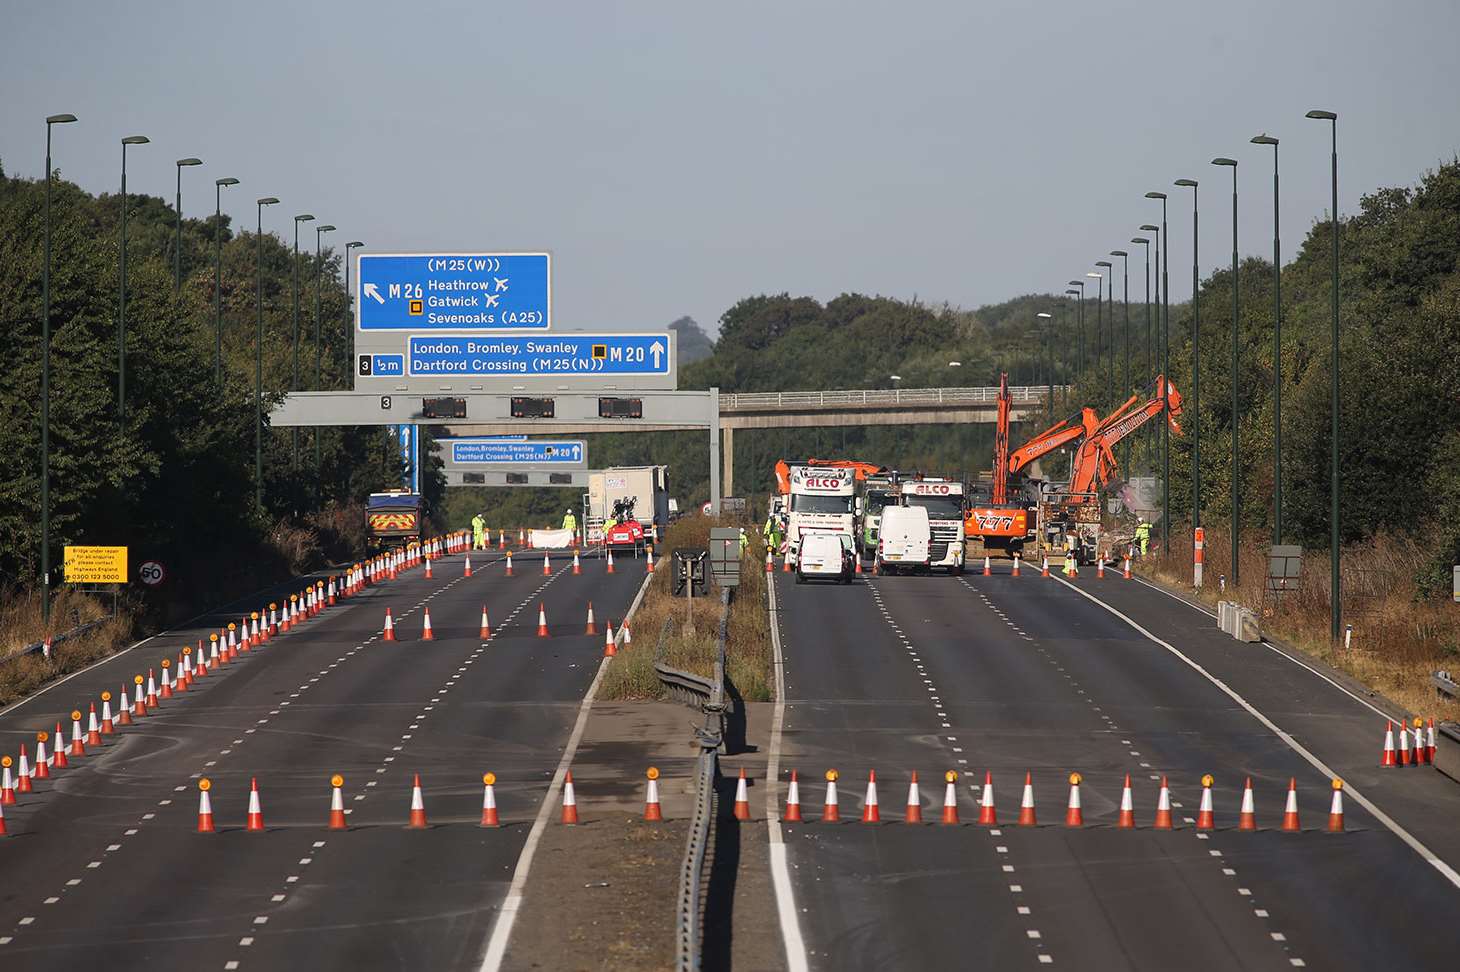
(478, 530)
(570, 522)
(1143, 536)
(744, 541)
(772, 532)
(1070, 546)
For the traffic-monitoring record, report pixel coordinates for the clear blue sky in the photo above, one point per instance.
(676, 156)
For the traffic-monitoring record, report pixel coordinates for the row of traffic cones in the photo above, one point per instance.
(1420, 754)
(1074, 809)
(388, 632)
(416, 820)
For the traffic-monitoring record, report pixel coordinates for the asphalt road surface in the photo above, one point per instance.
(1013, 675)
(104, 869)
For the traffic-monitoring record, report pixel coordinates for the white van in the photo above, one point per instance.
(824, 556)
(905, 539)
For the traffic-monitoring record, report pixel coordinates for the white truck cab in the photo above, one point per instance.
(821, 501)
(944, 502)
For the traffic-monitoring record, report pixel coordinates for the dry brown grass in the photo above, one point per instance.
(20, 625)
(694, 626)
(1399, 638)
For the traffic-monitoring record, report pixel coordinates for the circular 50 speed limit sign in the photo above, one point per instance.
(151, 573)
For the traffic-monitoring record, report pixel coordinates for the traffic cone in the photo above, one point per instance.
(1074, 565)
(570, 801)
(1026, 803)
(1127, 818)
(1419, 742)
(1403, 744)
(42, 761)
(793, 800)
(151, 689)
(1163, 807)
(950, 798)
(1074, 816)
(426, 633)
(1016, 566)
(486, 631)
(986, 571)
(139, 707)
(786, 564)
(592, 626)
(521, 537)
(489, 801)
(501, 539)
(418, 805)
(649, 560)
(428, 571)
(1126, 573)
(542, 625)
(577, 567)
(547, 567)
(166, 691)
(7, 784)
(1247, 817)
(509, 563)
(610, 560)
(466, 569)
(652, 810)
(1290, 812)
(1100, 568)
(337, 800)
(742, 798)
(255, 811)
(1205, 820)
(857, 561)
(610, 648)
(205, 807)
(914, 811)
(770, 563)
(389, 632)
(93, 728)
(78, 746)
(988, 814)
(1388, 757)
(871, 812)
(1044, 567)
(625, 632)
(58, 749)
(22, 773)
(1430, 742)
(830, 812)
(1335, 809)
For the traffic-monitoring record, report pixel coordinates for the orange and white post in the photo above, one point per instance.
(1198, 542)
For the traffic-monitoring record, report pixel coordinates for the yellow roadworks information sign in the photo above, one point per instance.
(96, 565)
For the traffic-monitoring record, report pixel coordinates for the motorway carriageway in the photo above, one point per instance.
(103, 868)
(1024, 674)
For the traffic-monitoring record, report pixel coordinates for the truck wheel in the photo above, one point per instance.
(800, 578)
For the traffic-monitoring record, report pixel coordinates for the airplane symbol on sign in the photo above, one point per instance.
(492, 299)
(501, 283)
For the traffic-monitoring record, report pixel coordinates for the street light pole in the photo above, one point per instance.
(1165, 380)
(1236, 416)
(1277, 350)
(1125, 298)
(1146, 244)
(1048, 320)
(294, 381)
(122, 285)
(1110, 337)
(1065, 398)
(1099, 315)
(46, 386)
(1335, 607)
(258, 361)
(319, 232)
(1195, 423)
(177, 239)
(1081, 285)
(349, 294)
(218, 185)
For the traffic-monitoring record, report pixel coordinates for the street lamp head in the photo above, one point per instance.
(1141, 240)
(1102, 263)
(183, 162)
(136, 140)
(1072, 291)
(895, 377)
(1231, 162)
(1098, 276)
(267, 201)
(1264, 139)
(230, 181)
(1321, 115)
(352, 244)
(1077, 283)
(326, 228)
(303, 217)
(1044, 315)
(959, 364)
(1186, 183)
(59, 119)
(1155, 195)
(1150, 228)
(1119, 253)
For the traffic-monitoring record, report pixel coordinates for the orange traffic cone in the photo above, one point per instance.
(1403, 744)
(652, 809)
(1127, 818)
(770, 563)
(486, 631)
(139, 707)
(205, 807)
(418, 805)
(592, 626)
(1044, 567)
(871, 812)
(42, 761)
(1163, 807)
(988, 815)
(389, 632)
(857, 560)
(426, 633)
(742, 798)
(914, 812)
(1100, 568)
(255, 810)
(1026, 803)
(1430, 742)
(1205, 820)
(509, 563)
(610, 648)
(489, 801)
(78, 748)
(986, 571)
(610, 561)
(830, 811)
(1290, 812)
(428, 573)
(793, 800)
(108, 727)
(786, 564)
(547, 567)
(1126, 573)
(166, 692)
(542, 625)
(93, 728)
(1247, 817)
(570, 800)
(577, 567)
(649, 560)
(466, 568)
(151, 689)
(337, 799)
(1074, 815)
(950, 798)
(58, 749)
(1388, 757)
(1335, 809)
(1016, 566)
(626, 634)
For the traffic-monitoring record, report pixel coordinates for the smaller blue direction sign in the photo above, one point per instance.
(561, 355)
(454, 292)
(506, 452)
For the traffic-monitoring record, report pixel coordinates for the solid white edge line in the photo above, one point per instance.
(496, 951)
(1201, 609)
(780, 873)
(1434, 860)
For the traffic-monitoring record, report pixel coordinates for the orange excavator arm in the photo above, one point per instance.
(1057, 436)
(1095, 460)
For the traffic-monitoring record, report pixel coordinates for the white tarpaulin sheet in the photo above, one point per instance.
(550, 539)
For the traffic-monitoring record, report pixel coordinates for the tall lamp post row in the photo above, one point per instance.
(45, 409)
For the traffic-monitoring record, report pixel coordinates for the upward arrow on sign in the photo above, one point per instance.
(657, 350)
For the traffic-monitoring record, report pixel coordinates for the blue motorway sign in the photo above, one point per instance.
(504, 452)
(560, 355)
(454, 292)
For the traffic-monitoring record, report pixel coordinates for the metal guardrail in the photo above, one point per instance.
(754, 401)
(39, 646)
(1445, 685)
(693, 874)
